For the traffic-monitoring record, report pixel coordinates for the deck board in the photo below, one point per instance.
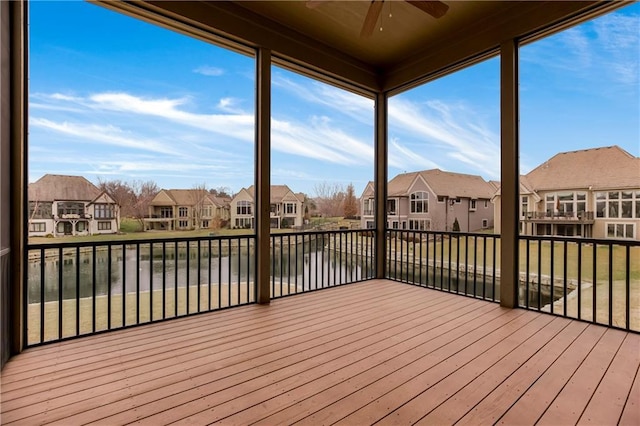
(356, 354)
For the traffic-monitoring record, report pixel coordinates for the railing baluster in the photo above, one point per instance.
(627, 286)
(42, 296)
(610, 284)
(164, 278)
(77, 291)
(150, 282)
(527, 276)
(187, 273)
(579, 280)
(137, 283)
(109, 257)
(564, 279)
(199, 274)
(93, 289)
(209, 274)
(175, 284)
(594, 299)
(60, 286)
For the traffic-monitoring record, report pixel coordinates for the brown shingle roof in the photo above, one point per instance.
(598, 168)
(443, 183)
(276, 194)
(62, 187)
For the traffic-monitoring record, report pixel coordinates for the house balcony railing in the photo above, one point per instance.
(586, 279)
(76, 289)
(559, 216)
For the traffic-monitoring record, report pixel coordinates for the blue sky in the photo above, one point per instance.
(112, 97)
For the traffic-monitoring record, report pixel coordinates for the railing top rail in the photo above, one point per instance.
(600, 241)
(73, 244)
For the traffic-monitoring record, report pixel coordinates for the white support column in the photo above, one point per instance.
(380, 182)
(509, 174)
(263, 173)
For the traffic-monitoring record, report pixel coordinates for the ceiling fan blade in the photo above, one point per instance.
(372, 18)
(437, 9)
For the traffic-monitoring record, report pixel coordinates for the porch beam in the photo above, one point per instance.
(263, 173)
(509, 174)
(380, 181)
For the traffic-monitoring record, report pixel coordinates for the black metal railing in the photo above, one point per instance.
(307, 261)
(456, 262)
(586, 279)
(75, 289)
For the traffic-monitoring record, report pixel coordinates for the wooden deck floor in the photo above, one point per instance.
(377, 351)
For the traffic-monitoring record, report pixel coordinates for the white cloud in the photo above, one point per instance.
(209, 71)
(230, 105)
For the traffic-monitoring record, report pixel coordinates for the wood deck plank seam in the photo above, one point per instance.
(620, 354)
(39, 373)
(469, 369)
(483, 343)
(567, 353)
(427, 302)
(595, 352)
(169, 327)
(348, 360)
(296, 400)
(505, 359)
(285, 365)
(563, 343)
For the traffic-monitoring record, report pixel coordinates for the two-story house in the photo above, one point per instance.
(286, 208)
(433, 200)
(70, 205)
(186, 209)
(592, 193)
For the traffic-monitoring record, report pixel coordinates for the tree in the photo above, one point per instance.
(329, 198)
(123, 195)
(144, 194)
(221, 191)
(198, 198)
(350, 205)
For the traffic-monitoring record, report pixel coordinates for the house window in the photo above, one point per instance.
(103, 211)
(40, 210)
(166, 212)
(81, 226)
(37, 227)
(486, 204)
(183, 212)
(394, 224)
(458, 200)
(441, 198)
(290, 208)
(621, 230)
(567, 204)
(207, 211)
(70, 208)
(419, 202)
(243, 208)
(183, 223)
(273, 208)
(420, 225)
(368, 206)
(104, 226)
(243, 222)
(205, 224)
(618, 204)
(472, 205)
(391, 207)
(485, 223)
(370, 224)
(524, 206)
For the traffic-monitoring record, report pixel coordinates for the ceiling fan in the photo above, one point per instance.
(437, 9)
